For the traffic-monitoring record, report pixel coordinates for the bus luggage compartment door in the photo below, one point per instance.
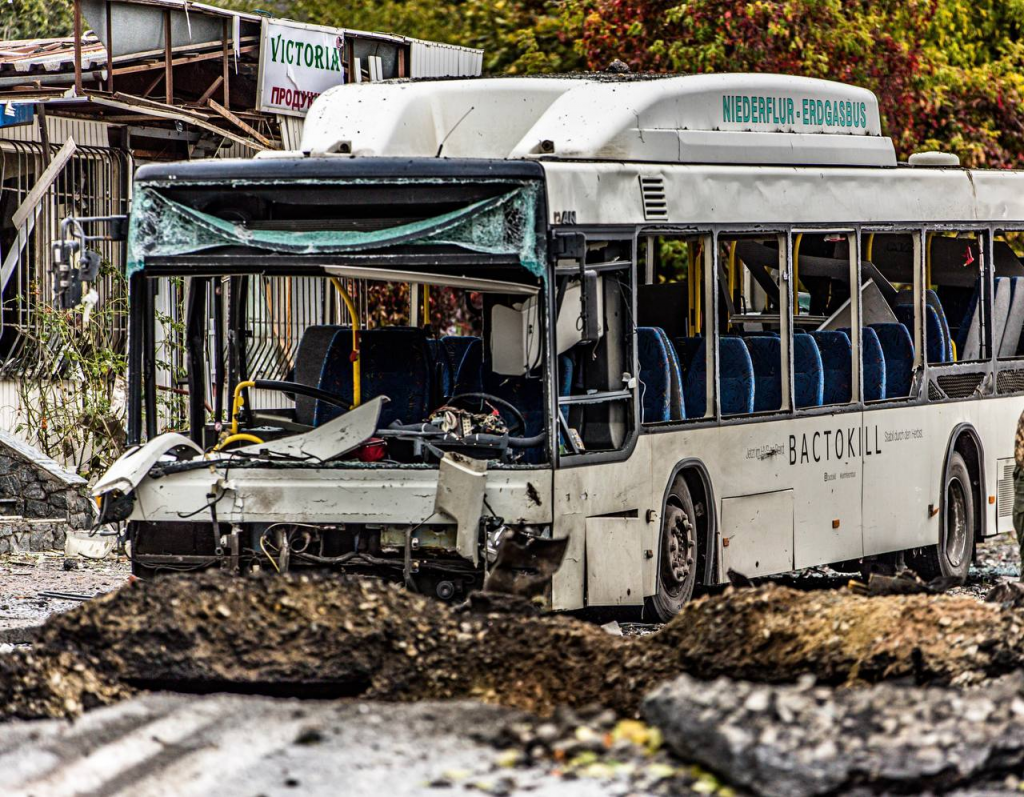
(757, 533)
(615, 561)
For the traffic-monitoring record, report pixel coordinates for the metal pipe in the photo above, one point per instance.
(356, 365)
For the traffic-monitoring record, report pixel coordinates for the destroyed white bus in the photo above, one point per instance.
(722, 329)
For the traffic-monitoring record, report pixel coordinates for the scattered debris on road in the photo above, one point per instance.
(803, 740)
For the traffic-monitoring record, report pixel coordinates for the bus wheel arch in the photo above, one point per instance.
(688, 489)
(961, 509)
(966, 442)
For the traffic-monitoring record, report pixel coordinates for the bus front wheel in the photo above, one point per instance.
(677, 561)
(952, 556)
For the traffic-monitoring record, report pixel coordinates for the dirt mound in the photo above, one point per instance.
(52, 685)
(331, 636)
(777, 634)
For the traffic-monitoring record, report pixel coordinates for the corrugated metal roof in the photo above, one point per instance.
(49, 55)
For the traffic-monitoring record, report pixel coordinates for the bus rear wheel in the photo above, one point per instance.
(677, 562)
(952, 556)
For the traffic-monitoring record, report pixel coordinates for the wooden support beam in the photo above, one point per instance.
(153, 84)
(128, 102)
(209, 92)
(78, 47)
(110, 50)
(188, 59)
(226, 74)
(168, 60)
(44, 132)
(252, 131)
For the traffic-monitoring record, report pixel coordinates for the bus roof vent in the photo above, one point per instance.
(934, 158)
(652, 190)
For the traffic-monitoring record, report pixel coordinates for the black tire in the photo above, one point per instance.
(952, 556)
(677, 557)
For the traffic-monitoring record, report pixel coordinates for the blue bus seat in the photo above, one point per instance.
(898, 351)
(469, 372)
(457, 346)
(766, 358)
(837, 365)
(444, 372)
(660, 376)
(736, 378)
(808, 373)
(967, 336)
(394, 362)
(937, 346)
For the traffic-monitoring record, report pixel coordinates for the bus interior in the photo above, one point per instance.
(960, 324)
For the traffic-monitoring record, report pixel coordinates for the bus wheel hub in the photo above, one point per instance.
(680, 544)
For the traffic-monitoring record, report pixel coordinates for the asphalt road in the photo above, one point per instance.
(243, 746)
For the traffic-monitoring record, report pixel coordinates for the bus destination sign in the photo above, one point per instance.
(757, 109)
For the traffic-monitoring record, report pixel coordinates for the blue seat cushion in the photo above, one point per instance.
(457, 346)
(808, 374)
(872, 363)
(898, 351)
(965, 324)
(469, 372)
(394, 362)
(836, 353)
(937, 345)
(655, 376)
(735, 376)
(766, 358)
(444, 372)
(660, 376)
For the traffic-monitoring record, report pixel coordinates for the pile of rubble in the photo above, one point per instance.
(802, 740)
(774, 721)
(330, 636)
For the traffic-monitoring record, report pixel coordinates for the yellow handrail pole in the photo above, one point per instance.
(241, 437)
(356, 366)
(732, 270)
(426, 305)
(237, 402)
(691, 280)
(698, 287)
(928, 260)
(796, 273)
(871, 246)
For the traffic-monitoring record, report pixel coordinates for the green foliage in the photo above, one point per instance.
(947, 73)
(35, 19)
(72, 404)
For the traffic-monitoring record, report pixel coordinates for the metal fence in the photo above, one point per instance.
(95, 182)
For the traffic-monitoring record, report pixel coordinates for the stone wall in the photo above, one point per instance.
(39, 500)
(18, 536)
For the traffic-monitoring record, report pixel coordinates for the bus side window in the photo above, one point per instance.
(594, 353)
(672, 319)
(823, 338)
(752, 338)
(1008, 307)
(891, 333)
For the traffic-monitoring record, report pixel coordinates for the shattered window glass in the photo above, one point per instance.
(502, 225)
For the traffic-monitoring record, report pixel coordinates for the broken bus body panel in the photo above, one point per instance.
(304, 490)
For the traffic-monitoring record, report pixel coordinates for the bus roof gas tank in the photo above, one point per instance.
(728, 118)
